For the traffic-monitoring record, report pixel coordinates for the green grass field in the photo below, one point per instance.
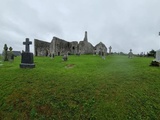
(84, 87)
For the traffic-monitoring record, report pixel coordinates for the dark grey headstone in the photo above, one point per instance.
(27, 57)
(27, 60)
(27, 43)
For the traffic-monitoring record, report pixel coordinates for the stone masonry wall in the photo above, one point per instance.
(42, 48)
(100, 49)
(62, 47)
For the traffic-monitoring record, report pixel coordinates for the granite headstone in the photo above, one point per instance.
(27, 57)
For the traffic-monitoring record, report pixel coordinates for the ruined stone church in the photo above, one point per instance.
(61, 47)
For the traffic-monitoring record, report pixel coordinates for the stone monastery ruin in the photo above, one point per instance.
(63, 47)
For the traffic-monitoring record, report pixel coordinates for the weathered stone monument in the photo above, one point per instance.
(130, 54)
(5, 56)
(110, 48)
(156, 61)
(27, 57)
(158, 55)
(10, 54)
(59, 47)
(65, 57)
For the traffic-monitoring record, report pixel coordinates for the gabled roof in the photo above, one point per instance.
(100, 44)
(17, 53)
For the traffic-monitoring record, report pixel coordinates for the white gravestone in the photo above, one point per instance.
(158, 55)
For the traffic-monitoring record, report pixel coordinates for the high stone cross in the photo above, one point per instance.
(27, 43)
(110, 48)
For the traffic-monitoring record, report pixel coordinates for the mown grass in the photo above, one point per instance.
(84, 87)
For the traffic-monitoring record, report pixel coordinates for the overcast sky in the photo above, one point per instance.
(122, 24)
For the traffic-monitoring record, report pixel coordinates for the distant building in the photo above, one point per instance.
(100, 49)
(61, 47)
(17, 53)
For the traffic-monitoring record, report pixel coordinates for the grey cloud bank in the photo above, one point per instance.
(122, 24)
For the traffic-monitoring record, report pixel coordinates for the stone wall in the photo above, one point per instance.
(85, 47)
(62, 47)
(42, 48)
(74, 47)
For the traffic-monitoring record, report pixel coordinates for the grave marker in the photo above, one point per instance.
(27, 43)
(27, 57)
(5, 53)
(130, 54)
(110, 48)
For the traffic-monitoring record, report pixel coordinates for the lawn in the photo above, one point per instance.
(84, 87)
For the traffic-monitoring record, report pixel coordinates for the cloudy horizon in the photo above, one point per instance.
(122, 24)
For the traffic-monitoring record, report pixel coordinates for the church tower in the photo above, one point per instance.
(85, 37)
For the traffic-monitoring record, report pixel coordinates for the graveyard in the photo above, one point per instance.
(83, 87)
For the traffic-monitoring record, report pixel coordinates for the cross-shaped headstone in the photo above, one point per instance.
(27, 43)
(110, 48)
(130, 50)
(5, 47)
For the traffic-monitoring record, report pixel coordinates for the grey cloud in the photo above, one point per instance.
(122, 24)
